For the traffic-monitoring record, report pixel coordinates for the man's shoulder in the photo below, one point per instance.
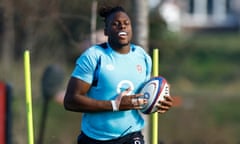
(97, 49)
(138, 49)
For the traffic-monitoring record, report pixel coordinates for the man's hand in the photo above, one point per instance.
(164, 105)
(126, 102)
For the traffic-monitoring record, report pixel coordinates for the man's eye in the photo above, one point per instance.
(119, 23)
(126, 22)
(115, 23)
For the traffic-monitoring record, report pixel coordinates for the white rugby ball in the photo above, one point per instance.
(154, 90)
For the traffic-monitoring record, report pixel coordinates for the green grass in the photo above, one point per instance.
(226, 111)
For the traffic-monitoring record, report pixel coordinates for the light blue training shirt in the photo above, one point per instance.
(110, 73)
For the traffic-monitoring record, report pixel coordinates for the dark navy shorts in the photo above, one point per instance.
(132, 138)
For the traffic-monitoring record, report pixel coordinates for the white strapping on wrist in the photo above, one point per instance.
(114, 105)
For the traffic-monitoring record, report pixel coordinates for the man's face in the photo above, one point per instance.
(119, 29)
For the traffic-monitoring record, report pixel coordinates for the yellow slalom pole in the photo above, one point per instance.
(28, 96)
(154, 116)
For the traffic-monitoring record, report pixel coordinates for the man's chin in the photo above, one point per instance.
(121, 43)
(124, 43)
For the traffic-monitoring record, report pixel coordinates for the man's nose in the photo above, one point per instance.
(122, 26)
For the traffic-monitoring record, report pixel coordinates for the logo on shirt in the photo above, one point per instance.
(124, 85)
(139, 68)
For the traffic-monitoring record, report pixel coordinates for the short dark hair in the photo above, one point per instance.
(105, 12)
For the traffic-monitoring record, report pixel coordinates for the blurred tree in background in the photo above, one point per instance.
(48, 28)
(203, 68)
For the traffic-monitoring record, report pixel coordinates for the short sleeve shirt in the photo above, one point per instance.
(110, 73)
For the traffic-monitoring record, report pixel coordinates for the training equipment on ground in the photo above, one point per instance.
(154, 90)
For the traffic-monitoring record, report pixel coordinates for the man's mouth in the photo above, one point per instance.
(122, 34)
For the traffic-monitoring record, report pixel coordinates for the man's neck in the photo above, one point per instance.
(123, 49)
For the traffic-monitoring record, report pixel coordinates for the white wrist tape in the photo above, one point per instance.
(114, 105)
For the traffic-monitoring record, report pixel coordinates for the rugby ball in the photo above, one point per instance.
(154, 90)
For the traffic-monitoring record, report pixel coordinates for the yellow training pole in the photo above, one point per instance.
(154, 116)
(28, 96)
